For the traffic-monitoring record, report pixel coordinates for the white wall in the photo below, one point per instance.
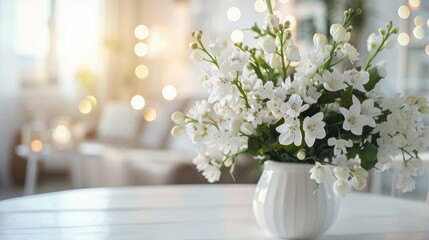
(9, 115)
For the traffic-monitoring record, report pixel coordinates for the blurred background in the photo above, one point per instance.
(87, 87)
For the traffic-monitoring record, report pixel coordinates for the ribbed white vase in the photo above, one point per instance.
(286, 205)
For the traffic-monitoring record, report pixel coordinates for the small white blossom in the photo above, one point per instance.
(176, 131)
(359, 183)
(339, 33)
(341, 188)
(332, 81)
(275, 61)
(373, 41)
(290, 132)
(202, 160)
(342, 173)
(350, 52)
(293, 107)
(340, 145)
(314, 128)
(357, 79)
(236, 61)
(381, 68)
(292, 53)
(320, 173)
(405, 183)
(212, 172)
(218, 46)
(178, 117)
(196, 57)
(353, 120)
(271, 22)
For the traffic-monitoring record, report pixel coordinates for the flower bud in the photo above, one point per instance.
(422, 101)
(271, 22)
(176, 131)
(359, 183)
(411, 100)
(178, 117)
(198, 34)
(292, 53)
(301, 154)
(320, 40)
(424, 109)
(395, 30)
(381, 31)
(381, 68)
(339, 33)
(193, 45)
(286, 24)
(268, 44)
(275, 61)
(342, 173)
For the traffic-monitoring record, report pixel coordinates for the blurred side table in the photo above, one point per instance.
(33, 159)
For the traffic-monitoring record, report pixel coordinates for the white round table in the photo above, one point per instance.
(191, 212)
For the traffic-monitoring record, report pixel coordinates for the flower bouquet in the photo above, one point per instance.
(321, 109)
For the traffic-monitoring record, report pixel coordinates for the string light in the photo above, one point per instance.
(137, 102)
(150, 114)
(260, 6)
(233, 14)
(141, 49)
(36, 145)
(141, 32)
(141, 71)
(85, 106)
(169, 92)
(403, 39)
(414, 3)
(237, 36)
(403, 12)
(419, 32)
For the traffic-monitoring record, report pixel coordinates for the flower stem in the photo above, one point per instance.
(269, 6)
(241, 90)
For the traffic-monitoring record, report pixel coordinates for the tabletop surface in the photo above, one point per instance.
(191, 212)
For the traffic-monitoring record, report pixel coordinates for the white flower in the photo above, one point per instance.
(357, 79)
(359, 183)
(360, 172)
(200, 110)
(389, 43)
(350, 52)
(342, 173)
(290, 132)
(405, 184)
(271, 22)
(399, 140)
(320, 40)
(212, 172)
(292, 53)
(353, 120)
(341, 188)
(332, 81)
(340, 145)
(196, 131)
(301, 155)
(369, 111)
(320, 173)
(202, 160)
(339, 33)
(196, 57)
(314, 128)
(268, 44)
(311, 95)
(293, 107)
(236, 61)
(218, 46)
(373, 41)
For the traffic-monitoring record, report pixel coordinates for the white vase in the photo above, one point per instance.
(286, 203)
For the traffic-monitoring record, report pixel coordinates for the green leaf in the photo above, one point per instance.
(374, 78)
(368, 156)
(329, 97)
(352, 152)
(253, 146)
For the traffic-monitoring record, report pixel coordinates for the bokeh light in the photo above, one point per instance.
(169, 92)
(279, 14)
(233, 14)
(137, 102)
(403, 39)
(141, 49)
(36, 145)
(141, 71)
(149, 114)
(419, 21)
(414, 3)
(92, 100)
(419, 32)
(403, 12)
(260, 6)
(427, 49)
(237, 36)
(85, 106)
(141, 32)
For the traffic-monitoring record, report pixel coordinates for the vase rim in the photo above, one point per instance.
(287, 164)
